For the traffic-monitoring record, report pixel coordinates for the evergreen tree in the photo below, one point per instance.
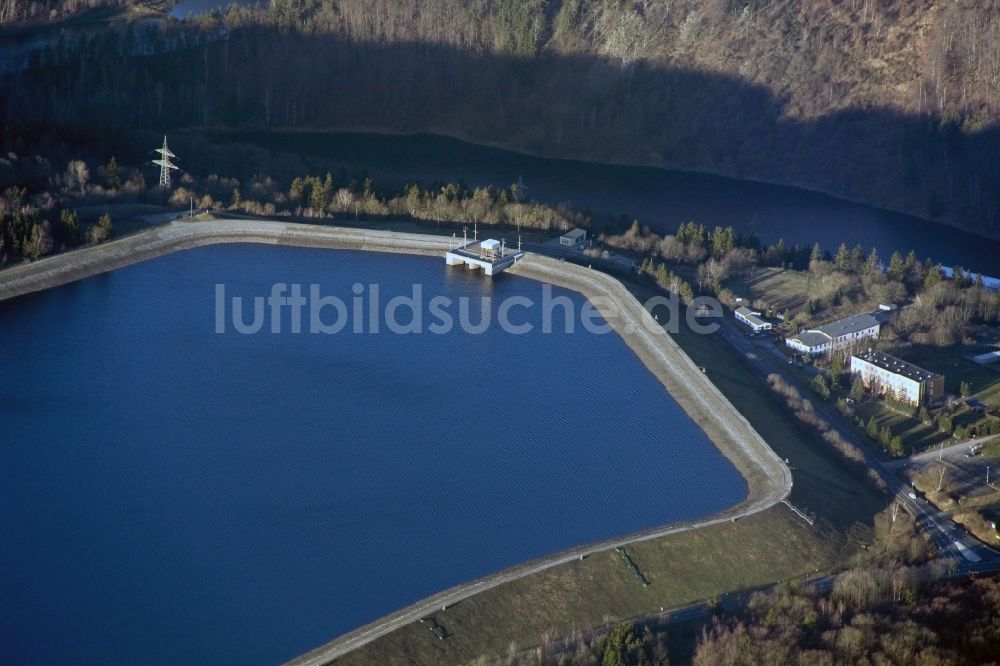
(816, 255)
(857, 258)
(296, 191)
(71, 226)
(328, 187)
(777, 253)
(857, 390)
(690, 233)
(934, 276)
(843, 260)
(618, 644)
(944, 423)
(897, 269)
(112, 175)
(961, 277)
(798, 258)
(684, 290)
(820, 386)
(872, 263)
(320, 195)
(836, 370)
(723, 241)
(100, 231)
(662, 278)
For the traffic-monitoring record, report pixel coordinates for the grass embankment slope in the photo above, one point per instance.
(770, 546)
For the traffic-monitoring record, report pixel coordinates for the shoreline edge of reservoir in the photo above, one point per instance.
(768, 478)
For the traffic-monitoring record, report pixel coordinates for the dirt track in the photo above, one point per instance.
(768, 478)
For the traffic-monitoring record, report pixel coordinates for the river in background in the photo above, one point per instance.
(660, 198)
(170, 495)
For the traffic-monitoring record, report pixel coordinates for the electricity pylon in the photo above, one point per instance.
(165, 164)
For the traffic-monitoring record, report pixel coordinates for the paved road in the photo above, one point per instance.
(950, 452)
(965, 474)
(945, 533)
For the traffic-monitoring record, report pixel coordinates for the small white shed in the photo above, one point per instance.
(491, 248)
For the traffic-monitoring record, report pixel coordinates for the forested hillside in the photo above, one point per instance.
(892, 102)
(14, 11)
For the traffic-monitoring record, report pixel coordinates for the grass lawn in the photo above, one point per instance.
(951, 362)
(785, 290)
(824, 485)
(766, 548)
(778, 288)
(916, 436)
(991, 393)
(991, 450)
(756, 551)
(124, 216)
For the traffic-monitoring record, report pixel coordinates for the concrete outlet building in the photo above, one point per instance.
(885, 374)
(835, 335)
(491, 255)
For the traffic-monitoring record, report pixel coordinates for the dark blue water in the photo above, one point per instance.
(183, 8)
(169, 495)
(660, 198)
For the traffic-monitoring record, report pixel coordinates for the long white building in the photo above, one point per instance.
(752, 319)
(835, 335)
(885, 374)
